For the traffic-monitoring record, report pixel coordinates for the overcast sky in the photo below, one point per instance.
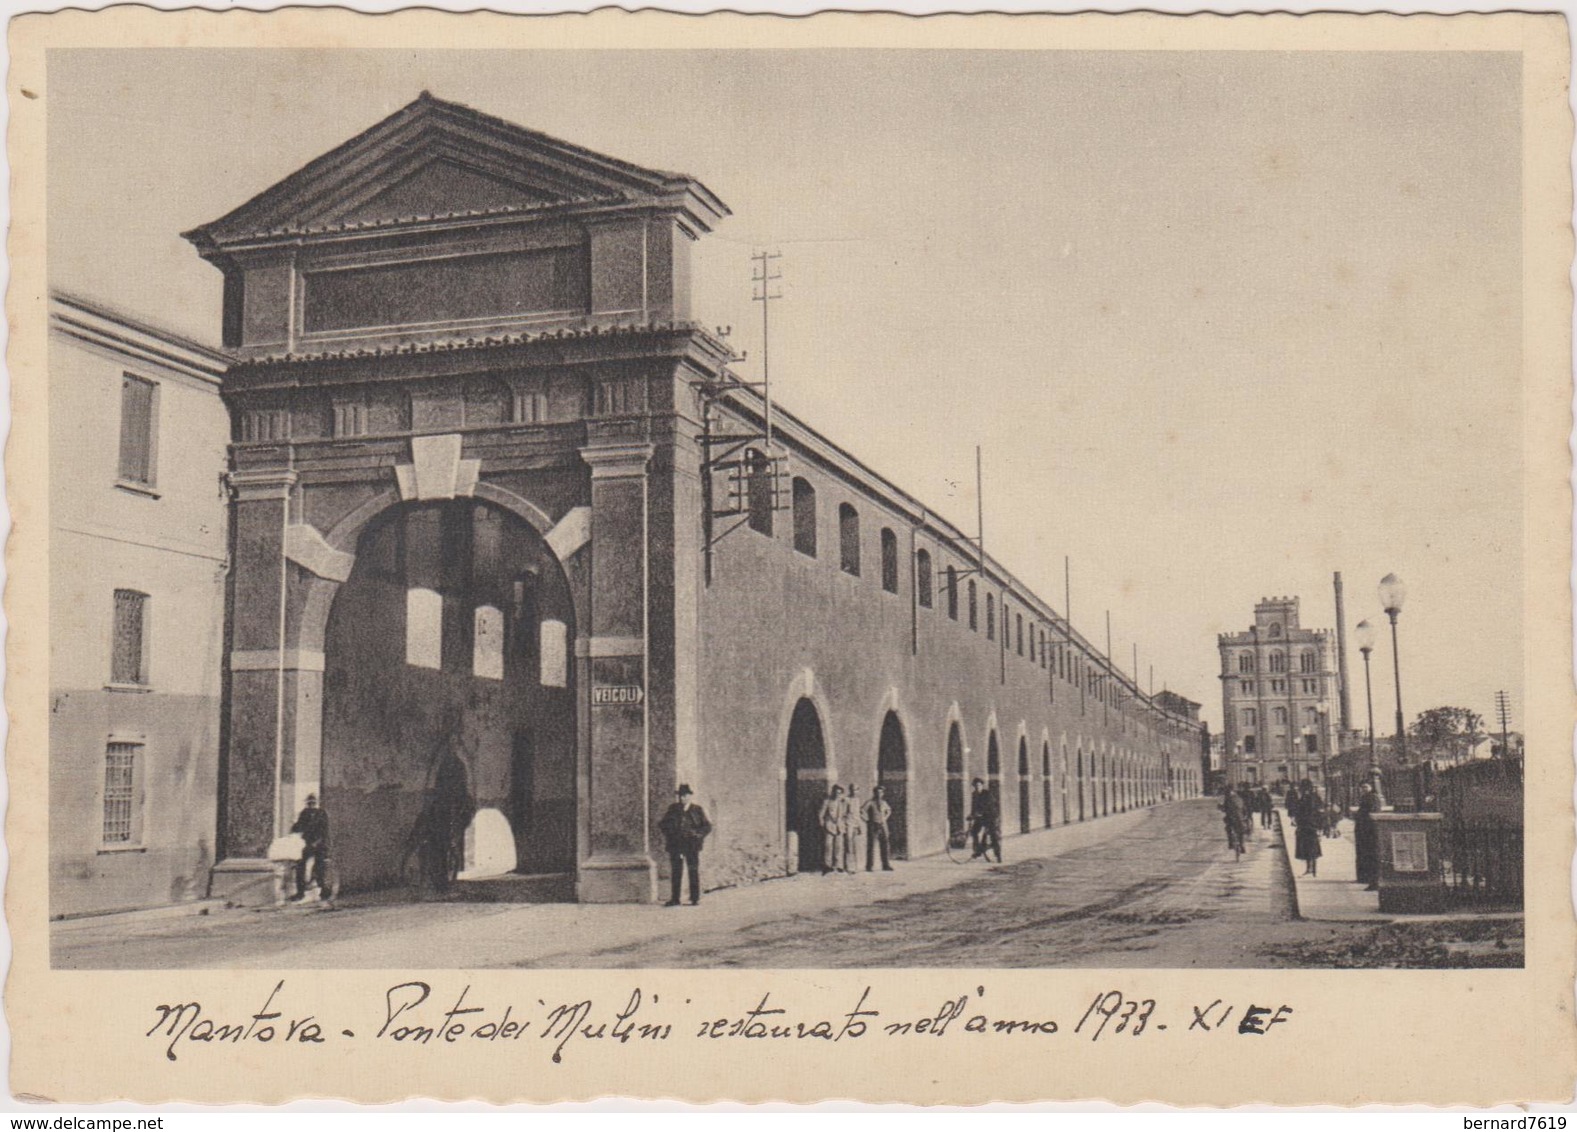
(1222, 322)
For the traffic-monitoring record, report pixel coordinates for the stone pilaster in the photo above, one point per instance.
(618, 866)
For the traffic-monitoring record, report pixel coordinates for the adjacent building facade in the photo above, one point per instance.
(138, 551)
(1278, 685)
(511, 548)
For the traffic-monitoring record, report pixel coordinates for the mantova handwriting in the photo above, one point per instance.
(417, 1015)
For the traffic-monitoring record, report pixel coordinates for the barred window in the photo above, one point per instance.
(952, 592)
(991, 619)
(922, 579)
(974, 615)
(128, 654)
(137, 430)
(120, 794)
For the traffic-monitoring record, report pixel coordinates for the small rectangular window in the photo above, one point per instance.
(487, 643)
(137, 420)
(424, 627)
(555, 654)
(120, 825)
(129, 656)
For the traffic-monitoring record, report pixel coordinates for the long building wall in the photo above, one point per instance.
(777, 626)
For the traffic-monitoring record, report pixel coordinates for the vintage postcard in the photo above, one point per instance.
(977, 559)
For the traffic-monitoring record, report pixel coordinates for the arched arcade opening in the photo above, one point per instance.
(805, 786)
(892, 773)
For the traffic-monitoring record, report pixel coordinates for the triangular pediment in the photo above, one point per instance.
(434, 160)
(440, 187)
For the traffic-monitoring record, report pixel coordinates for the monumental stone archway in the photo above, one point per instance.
(449, 693)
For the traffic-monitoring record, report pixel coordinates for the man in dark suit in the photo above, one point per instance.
(684, 829)
(313, 825)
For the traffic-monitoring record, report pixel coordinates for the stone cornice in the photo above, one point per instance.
(107, 329)
(693, 334)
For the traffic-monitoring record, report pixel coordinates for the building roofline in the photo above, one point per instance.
(244, 223)
(101, 324)
(856, 471)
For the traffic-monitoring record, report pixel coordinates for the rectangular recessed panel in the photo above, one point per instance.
(455, 289)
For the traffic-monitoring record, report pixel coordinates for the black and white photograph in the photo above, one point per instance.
(731, 508)
(451, 566)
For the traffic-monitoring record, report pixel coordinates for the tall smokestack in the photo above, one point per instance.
(1341, 658)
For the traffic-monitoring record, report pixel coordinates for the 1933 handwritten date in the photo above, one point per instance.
(413, 1014)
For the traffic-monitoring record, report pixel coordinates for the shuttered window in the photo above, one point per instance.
(136, 430)
(128, 657)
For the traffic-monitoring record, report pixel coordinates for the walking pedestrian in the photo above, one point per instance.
(684, 828)
(834, 819)
(1263, 804)
(313, 825)
(1309, 817)
(985, 822)
(1366, 835)
(876, 814)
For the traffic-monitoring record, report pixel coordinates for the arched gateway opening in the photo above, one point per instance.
(448, 701)
(806, 783)
(892, 771)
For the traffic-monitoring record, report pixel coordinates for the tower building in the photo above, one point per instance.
(1277, 684)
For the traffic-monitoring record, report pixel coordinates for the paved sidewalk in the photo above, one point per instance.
(1334, 894)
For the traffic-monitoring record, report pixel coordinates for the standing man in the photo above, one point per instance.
(313, 825)
(985, 821)
(684, 829)
(1367, 837)
(876, 814)
(834, 820)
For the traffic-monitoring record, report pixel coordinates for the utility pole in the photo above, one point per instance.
(1503, 709)
(765, 295)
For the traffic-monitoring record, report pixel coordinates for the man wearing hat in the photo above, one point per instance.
(313, 825)
(684, 828)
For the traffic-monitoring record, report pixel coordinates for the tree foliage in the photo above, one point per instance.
(1446, 733)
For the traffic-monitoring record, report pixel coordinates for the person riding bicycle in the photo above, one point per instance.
(1235, 817)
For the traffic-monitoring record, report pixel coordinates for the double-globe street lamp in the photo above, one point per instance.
(1392, 594)
(1364, 634)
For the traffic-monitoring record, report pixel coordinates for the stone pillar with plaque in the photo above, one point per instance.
(1412, 873)
(617, 867)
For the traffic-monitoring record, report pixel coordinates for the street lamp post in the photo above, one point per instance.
(1392, 594)
(1365, 636)
(1323, 718)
